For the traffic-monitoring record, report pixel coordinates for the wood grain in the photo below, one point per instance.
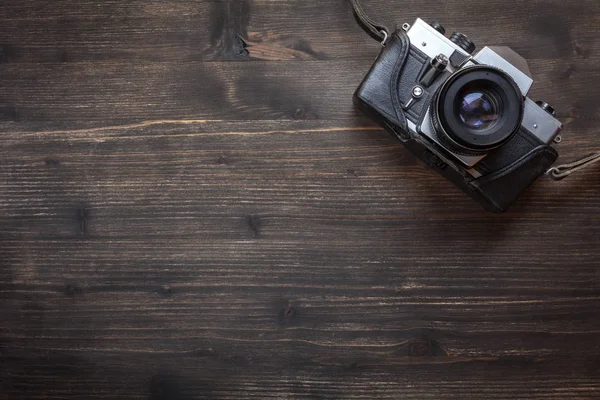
(191, 208)
(194, 30)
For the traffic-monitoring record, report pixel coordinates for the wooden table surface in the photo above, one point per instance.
(192, 208)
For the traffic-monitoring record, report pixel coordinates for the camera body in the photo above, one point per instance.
(466, 116)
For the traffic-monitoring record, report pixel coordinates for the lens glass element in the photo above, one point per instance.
(479, 109)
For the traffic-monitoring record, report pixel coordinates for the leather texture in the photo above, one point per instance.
(521, 143)
(502, 187)
(377, 89)
(506, 171)
(414, 68)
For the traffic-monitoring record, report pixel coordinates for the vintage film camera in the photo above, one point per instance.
(467, 116)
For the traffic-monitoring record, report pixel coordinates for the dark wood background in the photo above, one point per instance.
(191, 207)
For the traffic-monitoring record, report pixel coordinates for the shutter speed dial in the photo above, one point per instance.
(463, 41)
(438, 27)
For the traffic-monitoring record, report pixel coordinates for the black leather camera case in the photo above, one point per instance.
(505, 172)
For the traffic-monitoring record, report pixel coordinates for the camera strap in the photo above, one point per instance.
(560, 172)
(376, 30)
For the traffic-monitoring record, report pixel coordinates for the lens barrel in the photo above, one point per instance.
(476, 110)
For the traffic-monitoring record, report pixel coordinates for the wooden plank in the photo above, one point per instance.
(73, 31)
(202, 373)
(100, 94)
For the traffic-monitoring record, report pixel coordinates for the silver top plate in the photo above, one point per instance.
(431, 42)
(537, 121)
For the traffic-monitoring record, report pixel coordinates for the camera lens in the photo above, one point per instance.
(477, 109)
